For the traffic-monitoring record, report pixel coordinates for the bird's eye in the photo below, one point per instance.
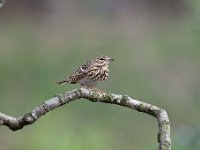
(101, 59)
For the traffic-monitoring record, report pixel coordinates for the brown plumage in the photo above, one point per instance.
(89, 74)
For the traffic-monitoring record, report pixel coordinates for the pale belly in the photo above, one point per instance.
(87, 82)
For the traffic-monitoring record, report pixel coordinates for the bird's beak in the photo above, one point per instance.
(111, 59)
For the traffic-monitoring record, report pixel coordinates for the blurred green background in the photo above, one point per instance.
(156, 45)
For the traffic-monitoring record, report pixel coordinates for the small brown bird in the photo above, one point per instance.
(89, 74)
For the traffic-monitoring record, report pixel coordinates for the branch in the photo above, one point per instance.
(94, 96)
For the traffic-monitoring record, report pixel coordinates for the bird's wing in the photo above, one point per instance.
(80, 73)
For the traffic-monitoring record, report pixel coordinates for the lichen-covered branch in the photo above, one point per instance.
(94, 96)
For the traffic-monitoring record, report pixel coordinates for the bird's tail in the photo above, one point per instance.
(63, 82)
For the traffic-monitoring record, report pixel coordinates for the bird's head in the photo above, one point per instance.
(103, 60)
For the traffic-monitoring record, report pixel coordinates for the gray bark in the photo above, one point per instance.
(95, 96)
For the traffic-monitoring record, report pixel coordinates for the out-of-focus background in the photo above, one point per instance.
(156, 45)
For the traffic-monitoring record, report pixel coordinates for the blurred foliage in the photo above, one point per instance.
(2, 3)
(157, 61)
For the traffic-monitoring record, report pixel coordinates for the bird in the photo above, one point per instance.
(90, 73)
